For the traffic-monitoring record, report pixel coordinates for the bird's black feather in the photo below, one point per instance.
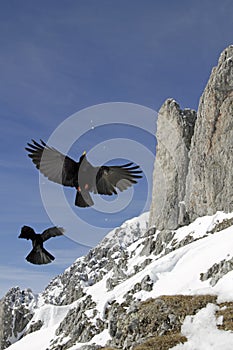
(86, 178)
(39, 255)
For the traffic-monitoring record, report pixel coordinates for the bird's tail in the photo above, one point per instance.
(83, 199)
(39, 256)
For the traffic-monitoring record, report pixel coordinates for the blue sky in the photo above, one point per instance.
(60, 58)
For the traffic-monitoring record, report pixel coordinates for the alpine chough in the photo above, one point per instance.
(81, 175)
(39, 255)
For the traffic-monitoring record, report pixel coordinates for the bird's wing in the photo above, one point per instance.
(54, 165)
(52, 232)
(121, 177)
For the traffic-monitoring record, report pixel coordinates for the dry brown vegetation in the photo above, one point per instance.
(153, 312)
(163, 342)
(226, 310)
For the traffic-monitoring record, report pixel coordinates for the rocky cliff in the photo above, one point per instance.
(210, 178)
(16, 310)
(194, 154)
(175, 129)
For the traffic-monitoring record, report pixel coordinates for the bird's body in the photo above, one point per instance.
(39, 255)
(86, 178)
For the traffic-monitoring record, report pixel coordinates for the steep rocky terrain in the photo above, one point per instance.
(16, 310)
(192, 174)
(210, 178)
(175, 128)
(135, 287)
(161, 279)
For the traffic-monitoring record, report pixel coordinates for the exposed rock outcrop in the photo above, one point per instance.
(109, 255)
(154, 317)
(216, 271)
(194, 155)
(174, 132)
(209, 184)
(16, 310)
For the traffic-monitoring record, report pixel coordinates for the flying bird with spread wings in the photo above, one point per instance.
(81, 175)
(39, 255)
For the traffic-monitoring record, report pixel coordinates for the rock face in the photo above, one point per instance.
(16, 310)
(154, 317)
(192, 173)
(210, 178)
(174, 133)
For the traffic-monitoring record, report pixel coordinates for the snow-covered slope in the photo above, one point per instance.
(133, 264)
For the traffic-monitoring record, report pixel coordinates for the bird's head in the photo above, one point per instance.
(26, 232)
(82, 156)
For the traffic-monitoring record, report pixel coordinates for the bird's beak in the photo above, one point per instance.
(84, 153)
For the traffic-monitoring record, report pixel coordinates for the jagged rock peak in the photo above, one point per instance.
(209, 184)
(175, 129)
(184, 120)
(226, 54)
(16, 310)
(192, 176)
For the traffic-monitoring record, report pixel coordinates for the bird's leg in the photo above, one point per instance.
(86, 186)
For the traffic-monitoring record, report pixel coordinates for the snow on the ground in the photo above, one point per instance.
(51, 316)
(179, 271)
(175, 273)
(202, 332)
(100, 339)
(202, 225)
(129, 231)
(38, 340)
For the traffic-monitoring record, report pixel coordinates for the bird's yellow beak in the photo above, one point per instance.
(84, 153)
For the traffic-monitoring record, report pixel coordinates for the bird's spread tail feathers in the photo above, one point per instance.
(83, 199)
(39, 256)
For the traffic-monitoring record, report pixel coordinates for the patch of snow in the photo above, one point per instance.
(37, 340)
(201, 226)
(224, 288)
(202, 332)
(50, 315)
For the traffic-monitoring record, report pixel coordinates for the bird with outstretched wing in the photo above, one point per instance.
(81, 175)
(39, 255)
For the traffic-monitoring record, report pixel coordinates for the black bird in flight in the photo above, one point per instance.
(86, 178)
(39, 255)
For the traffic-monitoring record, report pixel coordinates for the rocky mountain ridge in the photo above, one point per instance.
(134, 265)
(16, 310)
(192, 173)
